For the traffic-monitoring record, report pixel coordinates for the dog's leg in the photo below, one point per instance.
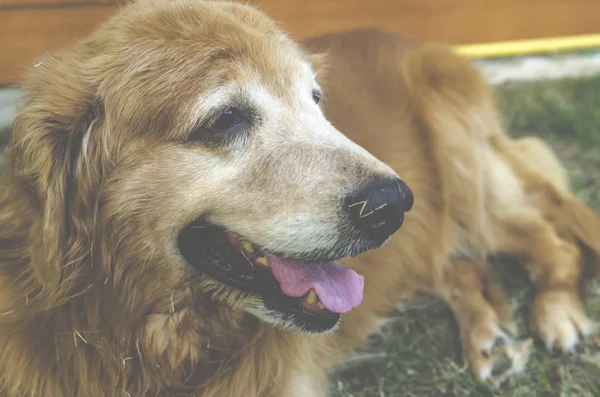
(485, 323)
(555, 265)
(543, 228)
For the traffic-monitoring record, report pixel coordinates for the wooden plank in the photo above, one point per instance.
(453, 22)
(48, 3)
(26, 34)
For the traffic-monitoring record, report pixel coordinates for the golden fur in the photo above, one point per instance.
(429, 114)
(95, 300)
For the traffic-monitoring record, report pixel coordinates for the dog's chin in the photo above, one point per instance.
(265, 276)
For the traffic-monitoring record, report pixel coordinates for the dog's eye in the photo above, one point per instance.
(228, 120)
(316, 94)
(223, 127)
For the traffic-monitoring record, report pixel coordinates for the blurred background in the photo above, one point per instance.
(29, 28)
(543, 59)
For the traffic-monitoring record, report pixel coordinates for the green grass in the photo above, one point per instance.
(417, 354)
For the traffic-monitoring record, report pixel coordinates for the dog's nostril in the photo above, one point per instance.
(406, 195)
(378, 209)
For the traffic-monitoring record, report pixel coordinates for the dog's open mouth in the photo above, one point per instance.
(310, 294)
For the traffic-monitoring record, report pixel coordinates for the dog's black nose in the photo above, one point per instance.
(378, 209)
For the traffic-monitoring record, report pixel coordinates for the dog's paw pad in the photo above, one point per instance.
(560, 321)
(499, 355)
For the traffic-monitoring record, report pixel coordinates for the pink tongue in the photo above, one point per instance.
(338, 288)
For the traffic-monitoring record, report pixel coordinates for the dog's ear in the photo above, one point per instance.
(52, 132)
(319, 62)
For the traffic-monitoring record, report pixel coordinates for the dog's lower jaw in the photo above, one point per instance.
(279, 321)
(252, 305)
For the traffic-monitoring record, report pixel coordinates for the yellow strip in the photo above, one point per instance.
(523, 47)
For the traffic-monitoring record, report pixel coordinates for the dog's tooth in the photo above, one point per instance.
(312, 297)
(261, 260)
(320, 305)
(248, 247)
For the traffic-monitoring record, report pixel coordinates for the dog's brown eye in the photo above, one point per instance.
(227, 120)
(223, 127)
(316, 94)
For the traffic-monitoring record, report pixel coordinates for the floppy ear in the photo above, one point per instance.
(320, 64)
(54, 125)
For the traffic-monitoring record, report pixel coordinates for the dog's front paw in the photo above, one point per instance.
(559, 320)
(494, 353)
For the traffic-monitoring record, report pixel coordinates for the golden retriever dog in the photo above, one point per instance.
(180, 218)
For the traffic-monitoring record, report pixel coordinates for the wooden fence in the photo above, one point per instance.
(30, 28)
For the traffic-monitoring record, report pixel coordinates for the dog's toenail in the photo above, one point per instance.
(501, 365)
(556, 348)
(499, 341)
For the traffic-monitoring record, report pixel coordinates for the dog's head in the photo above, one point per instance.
(186, 139)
